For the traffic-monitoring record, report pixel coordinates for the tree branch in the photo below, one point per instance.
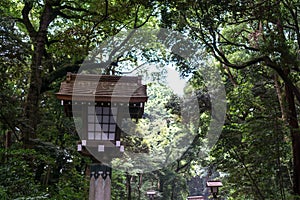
(85, 11)
(48, 15)
(57, 74)
(143, 23)
(25, 18)
(235, 44)
(284, 77)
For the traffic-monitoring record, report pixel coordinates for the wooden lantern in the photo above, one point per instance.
(102, 102)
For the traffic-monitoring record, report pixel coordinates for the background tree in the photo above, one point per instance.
(248, 34)
(255, 140)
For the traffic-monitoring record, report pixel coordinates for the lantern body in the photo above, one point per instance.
(214, 190)
(151, 194)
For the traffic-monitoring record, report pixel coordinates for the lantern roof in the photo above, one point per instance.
(214, 184)
(195, 198)
(102, 88)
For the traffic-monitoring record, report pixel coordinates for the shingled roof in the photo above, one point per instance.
(102, 88)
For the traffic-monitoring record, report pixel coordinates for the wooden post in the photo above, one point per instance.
(8, 140)
(100, 182)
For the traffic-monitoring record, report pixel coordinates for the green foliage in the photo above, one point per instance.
(254, 41)
(173, 185)
(256, 142)
(17, 178)
(118, 185)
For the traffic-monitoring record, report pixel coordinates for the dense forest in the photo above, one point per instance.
(254, 45)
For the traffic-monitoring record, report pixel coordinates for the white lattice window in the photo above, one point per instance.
(101, 123)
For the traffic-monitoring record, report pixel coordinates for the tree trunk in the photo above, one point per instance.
(280, 98)
(295, 135)
(38, 38)
(140, 176)
(32, 103)
(8, 139)
(128, 186)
